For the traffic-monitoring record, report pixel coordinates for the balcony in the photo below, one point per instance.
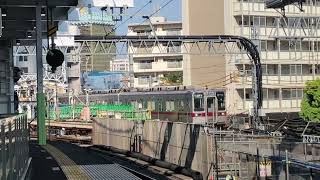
(259, 8)
(272, 106)
(173, 33)
(174, 64)
(145, 65)
(73, 73)
(269, 32)
(289, 80)
(158, 66)
(154, 51)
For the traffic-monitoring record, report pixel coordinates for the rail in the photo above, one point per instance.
(14, 137)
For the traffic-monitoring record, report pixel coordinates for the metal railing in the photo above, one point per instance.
(128, 115)
(174, 64)
(14, 137)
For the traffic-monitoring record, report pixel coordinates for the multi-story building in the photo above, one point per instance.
(150, 69)
(96, 62)
(288, 48)
(121, 65)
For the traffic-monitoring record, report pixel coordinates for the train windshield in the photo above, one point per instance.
(221, 102)
(198, 101)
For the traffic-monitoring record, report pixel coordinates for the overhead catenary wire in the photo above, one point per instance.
(129, 18)
(152, 14)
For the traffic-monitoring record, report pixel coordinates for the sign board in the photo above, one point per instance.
(52, 31)
(265, 168)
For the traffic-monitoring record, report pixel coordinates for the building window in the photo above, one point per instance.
(24, 69)
(292, 94)
(273, 94)
(307, 69)
(299, 93)
(285, 70)
(23, 58)
(286, 94)
(174, 63)
(144, 33)
(272, 69)
(143, 80)
(145, 65)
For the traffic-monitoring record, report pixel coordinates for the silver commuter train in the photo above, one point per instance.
(192, 106)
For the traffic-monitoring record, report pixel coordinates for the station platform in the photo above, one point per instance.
(63, 160)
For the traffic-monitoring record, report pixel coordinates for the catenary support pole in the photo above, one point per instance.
(40, 95)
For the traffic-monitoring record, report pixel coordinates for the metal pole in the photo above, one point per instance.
(258, 164)
(40, 95)
(131, 74)
(214, 119)
(52, 24)
(287, 166)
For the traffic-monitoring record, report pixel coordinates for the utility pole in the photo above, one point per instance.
(40, 95)
(287, 166)
(214, 141)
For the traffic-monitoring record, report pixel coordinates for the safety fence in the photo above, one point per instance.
(120, 111)
(14, 136)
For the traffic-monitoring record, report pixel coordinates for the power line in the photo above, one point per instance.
(130, 17)
(152, 14)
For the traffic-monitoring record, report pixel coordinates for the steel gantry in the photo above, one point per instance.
(178, 45)
(172, 45)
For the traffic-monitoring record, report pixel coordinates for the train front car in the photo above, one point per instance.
(209, 107)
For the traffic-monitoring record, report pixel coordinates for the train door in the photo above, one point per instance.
(211, 109)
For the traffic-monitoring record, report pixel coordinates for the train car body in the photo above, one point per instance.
(192, 106)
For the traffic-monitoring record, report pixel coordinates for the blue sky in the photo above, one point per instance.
(172, 12)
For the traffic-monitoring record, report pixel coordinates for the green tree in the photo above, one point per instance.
(172, 78)
(310, 105)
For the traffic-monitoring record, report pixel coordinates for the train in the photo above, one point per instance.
(198, 106)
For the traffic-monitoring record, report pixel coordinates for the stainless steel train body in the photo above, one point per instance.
(193, 106)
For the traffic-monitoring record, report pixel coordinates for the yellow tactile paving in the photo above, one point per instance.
(69, 167)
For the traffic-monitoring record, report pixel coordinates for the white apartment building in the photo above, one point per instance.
(121, 65)
(149, 69)
(288, 48)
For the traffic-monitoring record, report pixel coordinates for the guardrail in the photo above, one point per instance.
(14, 136)
(311, 139)
(128, 115)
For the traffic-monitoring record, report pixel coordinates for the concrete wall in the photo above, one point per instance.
(178, 143)
(189, 146)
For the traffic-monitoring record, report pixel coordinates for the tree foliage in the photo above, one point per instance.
(310, 105)
(173, 78)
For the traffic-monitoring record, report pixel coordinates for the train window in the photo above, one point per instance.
(153, 105)
(181, 103)
(210, 104)
(198, 102)
(221, 100)
(169, 105)
(162, 105)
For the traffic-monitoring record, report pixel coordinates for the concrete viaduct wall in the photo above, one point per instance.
(189, 146)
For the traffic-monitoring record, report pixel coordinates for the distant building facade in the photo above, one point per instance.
(289, 53)
(121, 65)
(149, 70)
